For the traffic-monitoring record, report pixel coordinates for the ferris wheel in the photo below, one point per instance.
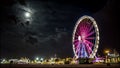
(85, 38)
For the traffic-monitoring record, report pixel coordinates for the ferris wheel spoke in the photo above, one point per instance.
(90, 38)
(90, 33)
(89, 48)
(90, 28)
(77, 33)
(80, 48)
(76, 44)
(77, 49)
(86, 46)
(86, 28)
(81, 29)
(76, 40)
(88, 42)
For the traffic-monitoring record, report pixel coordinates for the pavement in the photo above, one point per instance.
(60, 66)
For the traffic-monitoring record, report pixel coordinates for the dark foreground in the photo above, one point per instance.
(60, 66)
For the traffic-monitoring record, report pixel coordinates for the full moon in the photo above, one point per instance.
(27, 14)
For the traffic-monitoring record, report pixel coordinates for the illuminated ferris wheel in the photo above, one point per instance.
(85, 37)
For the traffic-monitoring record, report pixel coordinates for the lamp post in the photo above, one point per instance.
(107, 52)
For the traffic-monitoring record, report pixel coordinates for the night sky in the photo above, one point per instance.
(49, 29)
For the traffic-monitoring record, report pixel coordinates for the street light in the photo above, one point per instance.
(107, 52)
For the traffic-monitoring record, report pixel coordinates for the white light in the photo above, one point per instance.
(41, 59)
(98, 37)
(97, 29)
(96, 46)
(37, 58)
(79, 38)
(27, 14)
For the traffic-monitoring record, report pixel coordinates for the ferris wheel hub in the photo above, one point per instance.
(79, 38)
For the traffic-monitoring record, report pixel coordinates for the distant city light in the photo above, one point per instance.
(107, 51)
(37, 58)
(41, 59)
(3, 61)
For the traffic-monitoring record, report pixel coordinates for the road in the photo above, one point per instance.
(60, 66)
